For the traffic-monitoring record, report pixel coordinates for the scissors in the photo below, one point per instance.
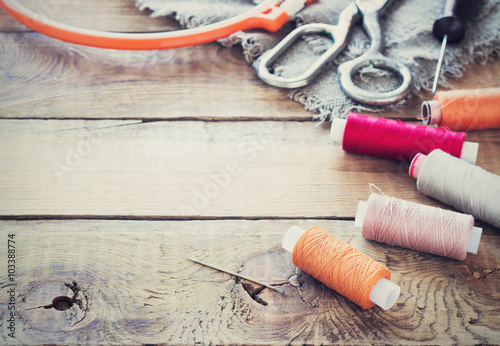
(368, 10)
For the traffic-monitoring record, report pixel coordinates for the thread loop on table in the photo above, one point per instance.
(397, 140)
(338, 265)
(416, 226)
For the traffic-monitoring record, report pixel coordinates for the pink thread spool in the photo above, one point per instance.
(397, 140)
(416, 226)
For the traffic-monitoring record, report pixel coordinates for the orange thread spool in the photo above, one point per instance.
(462, 110)
(338, 265)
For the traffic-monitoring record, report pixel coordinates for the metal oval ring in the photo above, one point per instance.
(347, 71)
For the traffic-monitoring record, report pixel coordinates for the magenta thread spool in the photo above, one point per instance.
(397, 140)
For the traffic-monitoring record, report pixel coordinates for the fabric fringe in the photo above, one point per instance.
(406, 26)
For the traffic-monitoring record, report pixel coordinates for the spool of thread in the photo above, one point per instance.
(396, 140)
(466, 187)
(341, 267)
(463, 110)
(418, 227)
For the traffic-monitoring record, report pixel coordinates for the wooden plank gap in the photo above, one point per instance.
(201, 118)
(61, 217)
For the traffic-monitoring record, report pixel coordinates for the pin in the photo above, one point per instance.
(235, 274)
(439, 64)
(450, 28)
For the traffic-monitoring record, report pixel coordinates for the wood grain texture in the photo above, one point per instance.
(194, 169)
(109, 15)
(50, 79)
(135, 286)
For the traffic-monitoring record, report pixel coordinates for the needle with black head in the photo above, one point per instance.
(449, 28)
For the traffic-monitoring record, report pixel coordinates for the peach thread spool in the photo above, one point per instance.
(462, 110)
(418, 227)
(466, 187)
(341, 267)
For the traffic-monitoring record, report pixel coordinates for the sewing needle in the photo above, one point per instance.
(451, 28)
(440, 62)
(235, 274)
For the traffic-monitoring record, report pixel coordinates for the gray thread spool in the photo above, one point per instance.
(455, 182)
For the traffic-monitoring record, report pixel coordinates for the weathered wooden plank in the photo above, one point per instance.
(192, 169)
(45, 78)
(9, 24)
(134, 286)
(109, 15)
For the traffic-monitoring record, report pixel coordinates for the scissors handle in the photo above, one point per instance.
(347, 70)
(339, 35)
(374, 58)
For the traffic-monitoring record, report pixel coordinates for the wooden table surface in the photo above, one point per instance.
(115, 165)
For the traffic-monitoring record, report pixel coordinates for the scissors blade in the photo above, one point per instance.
(371, 6)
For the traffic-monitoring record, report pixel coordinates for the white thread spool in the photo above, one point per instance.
(455, 182)
(384, 294)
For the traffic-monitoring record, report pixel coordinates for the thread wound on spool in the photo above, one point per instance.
(416, 226)
(338, 265)
(397, 140)
(466, 187)
(470, 109)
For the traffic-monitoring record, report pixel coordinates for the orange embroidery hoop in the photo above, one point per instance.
(270, 15)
